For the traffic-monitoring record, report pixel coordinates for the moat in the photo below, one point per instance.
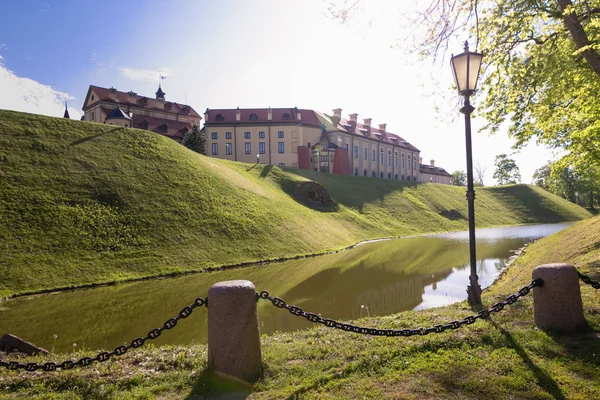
(375, 279)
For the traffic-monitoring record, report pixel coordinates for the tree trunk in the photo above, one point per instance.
(571, 21)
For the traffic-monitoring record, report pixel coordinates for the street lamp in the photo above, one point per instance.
(258, 158)
(465, 67)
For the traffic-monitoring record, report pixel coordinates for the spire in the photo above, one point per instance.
(159, 93)
(66, 115)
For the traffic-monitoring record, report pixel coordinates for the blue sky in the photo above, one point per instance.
(230, 53)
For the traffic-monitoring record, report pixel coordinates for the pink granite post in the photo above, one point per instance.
(557, 304)
(233, 335)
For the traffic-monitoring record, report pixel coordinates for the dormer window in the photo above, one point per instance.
(220, 117)
(168, 106)
(164, 128)
(144, 101)
(144, 124)
(287, 116)
(253, 117)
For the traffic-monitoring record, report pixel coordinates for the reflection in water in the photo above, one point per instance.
(379, 278)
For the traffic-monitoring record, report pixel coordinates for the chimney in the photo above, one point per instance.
(337, 116)
(238, 114)
(367, 122)
(382, 127)
(354, 117)
(112, 93)
(131, 97)
(298, 113)
(432, 163)
(269, 114)
(206, 115)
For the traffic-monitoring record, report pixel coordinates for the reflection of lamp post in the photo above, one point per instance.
(465, 67)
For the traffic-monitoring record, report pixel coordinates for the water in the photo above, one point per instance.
(373, 279)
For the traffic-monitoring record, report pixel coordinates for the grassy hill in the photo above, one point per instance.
(86, 203)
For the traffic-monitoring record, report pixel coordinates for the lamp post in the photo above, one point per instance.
(465, 67)
(258, 158)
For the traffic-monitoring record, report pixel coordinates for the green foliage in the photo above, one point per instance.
(576, 185)
(84, 203)
(506, 170)
(195, 140)
(459, 178)
(541, 176)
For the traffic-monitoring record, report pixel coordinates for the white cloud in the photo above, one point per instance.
(144, 74)
(27, 95)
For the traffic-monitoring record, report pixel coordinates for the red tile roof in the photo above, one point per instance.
(175, 129)
(308, 117)
(374, 133)
(428, 169)
(121, 98)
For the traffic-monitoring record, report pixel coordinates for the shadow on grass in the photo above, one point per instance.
(544, 380)
(266, 171)
(85, 139)
(209, 386)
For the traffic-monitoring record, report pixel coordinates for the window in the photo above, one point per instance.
(215, 149)
(373, 156)
(92, 97)
(286, 116)
(227, 135)
(381, 157)
(396, 160)
(331, 157)
(374, 174)
(355, 171)
(215, 136)
(253, 117)
(381, 175)
(414, 165)
(281, 147)
(324, 158)
(346, 146)
(403, 163)
(402, 177)
(261, 135)
(281, 164)
(248, 147)
(396, 177)
(228, 149)
(280, 134)
(389, 176)
(246, 135)
(220, 117)
(356, 153)
(389, 158)
(365, 153)
(365, 172)
(325, 168)
(93, 114)
(164, 128)
(261, 147)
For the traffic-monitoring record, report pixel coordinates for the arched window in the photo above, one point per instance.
(253, 117)
(220, 117)
(287, 116)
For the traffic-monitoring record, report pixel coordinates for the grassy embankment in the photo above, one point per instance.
(84, 203)
(500, 358)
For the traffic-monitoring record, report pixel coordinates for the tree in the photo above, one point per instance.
(506, 171)
(195, 140)
(479, 174)
(542, 65)
(541, 176)
(459, 178)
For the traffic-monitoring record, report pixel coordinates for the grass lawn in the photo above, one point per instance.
(84, 203)
(503, 357)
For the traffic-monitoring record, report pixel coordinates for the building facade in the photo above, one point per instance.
(432, 174)
(307, 139)
(167, 118)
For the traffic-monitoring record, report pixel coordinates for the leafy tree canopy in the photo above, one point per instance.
(459, 178)
(541, 72)
(506, 170)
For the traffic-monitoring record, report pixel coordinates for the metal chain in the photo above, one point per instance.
(483, 314)
(105, 356)
(588, 280)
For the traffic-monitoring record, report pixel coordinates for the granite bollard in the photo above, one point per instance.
(557, 304)
(234, 351)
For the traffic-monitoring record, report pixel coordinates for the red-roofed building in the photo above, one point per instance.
(310, 140)
(432, 174)
(167, 118)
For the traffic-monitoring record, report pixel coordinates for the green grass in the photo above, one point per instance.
(503, 357)
(84, 203)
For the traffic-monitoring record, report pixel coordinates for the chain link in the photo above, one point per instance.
(105, 356)
(471, 319)
(588, 280)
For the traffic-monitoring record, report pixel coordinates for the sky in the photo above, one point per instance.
(240, 53)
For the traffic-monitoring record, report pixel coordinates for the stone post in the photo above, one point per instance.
(557, 304)
(234, 349)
